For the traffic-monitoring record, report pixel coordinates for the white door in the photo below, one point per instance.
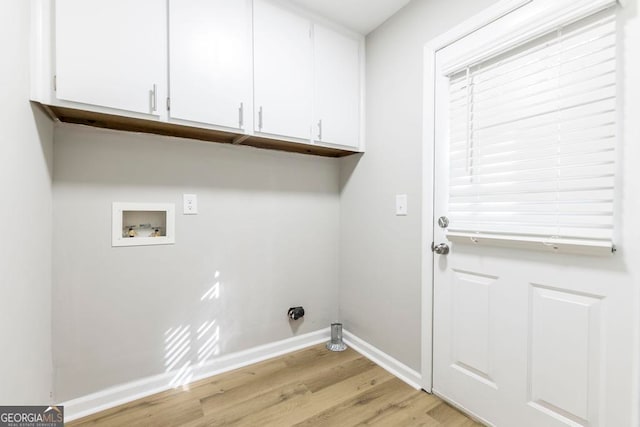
(522, 337)
(337, 88)
(282, 71)
(112, 53)
(210, 61)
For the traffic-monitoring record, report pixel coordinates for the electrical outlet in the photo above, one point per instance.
(401, 204)
(190, 202)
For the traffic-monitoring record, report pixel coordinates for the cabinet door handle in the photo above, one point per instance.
(320, 130)
(241, 115)
(260, 118)
(154, 103)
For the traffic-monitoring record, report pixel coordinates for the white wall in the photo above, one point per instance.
(25, 222)
(380, 252)
(268, 224)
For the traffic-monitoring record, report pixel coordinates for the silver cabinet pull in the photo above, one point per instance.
(260, 118)
(154, 103)
(241, 116)
(320, 130)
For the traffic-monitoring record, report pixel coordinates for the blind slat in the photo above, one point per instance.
(532, 136)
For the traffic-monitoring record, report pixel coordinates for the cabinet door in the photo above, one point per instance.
(210, 61)
(111, 53)
(336, 88)
(282, 71)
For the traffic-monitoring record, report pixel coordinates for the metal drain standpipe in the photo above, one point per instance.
(336, 343)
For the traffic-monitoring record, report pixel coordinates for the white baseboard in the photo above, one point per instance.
(124, 393)
(395, 367)
(118, 395)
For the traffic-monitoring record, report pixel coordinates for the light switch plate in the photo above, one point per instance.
(401, 204)
(190, 202)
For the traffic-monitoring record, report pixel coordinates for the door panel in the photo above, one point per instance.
(522, 337)
(471, 338)
(473, 332)
(565, 352)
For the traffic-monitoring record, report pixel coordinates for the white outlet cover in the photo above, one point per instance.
(190, 202)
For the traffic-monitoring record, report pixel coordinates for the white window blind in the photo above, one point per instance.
(532, 140)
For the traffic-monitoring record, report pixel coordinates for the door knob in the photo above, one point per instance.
(440, 249)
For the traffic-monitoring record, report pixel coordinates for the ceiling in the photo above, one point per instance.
(359, 15)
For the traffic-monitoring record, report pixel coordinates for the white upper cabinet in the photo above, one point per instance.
(210, 61)
(253, 72)
(111, 53)
(282, 72)
(336, 87)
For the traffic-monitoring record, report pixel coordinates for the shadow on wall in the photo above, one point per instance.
(188, 346)
(45, 135)
(347, 167)
(108, 157)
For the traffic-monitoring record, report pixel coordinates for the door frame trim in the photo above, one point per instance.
(487, 16)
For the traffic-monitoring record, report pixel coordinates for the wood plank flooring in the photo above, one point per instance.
(311, 387)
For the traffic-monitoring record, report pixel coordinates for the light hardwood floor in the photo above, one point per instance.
(311, 387)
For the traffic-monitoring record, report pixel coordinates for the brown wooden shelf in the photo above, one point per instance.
(130, 124)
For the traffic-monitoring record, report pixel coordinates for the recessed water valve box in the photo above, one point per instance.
(141, 224)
